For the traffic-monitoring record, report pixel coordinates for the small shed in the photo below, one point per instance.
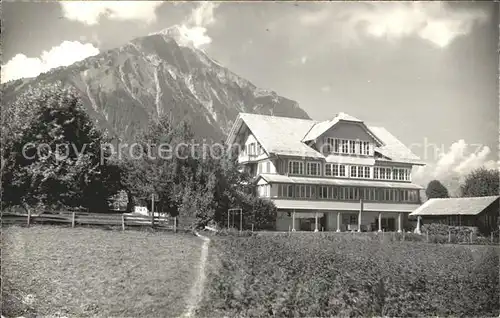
(480, 212)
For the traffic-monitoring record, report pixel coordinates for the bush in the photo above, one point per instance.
(348, 275)
(440, 233)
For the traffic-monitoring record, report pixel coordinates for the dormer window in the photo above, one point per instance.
(347, 146)
(352, 146)
(365, 147)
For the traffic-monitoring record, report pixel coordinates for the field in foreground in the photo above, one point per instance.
(94, 272)
(332, 275)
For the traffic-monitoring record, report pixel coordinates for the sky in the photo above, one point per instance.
(426, 71)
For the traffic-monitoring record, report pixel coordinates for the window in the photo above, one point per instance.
(360, 172)
(264, 190)
(354, 172)
(345, 146)
(401, 174)
(312, 168)
(382, 173)
(268, 167)
(313, 191)
(341, 193)
(323, 192)
(296, 167)
(353, 219)
(259, 168)
(336, 146)
(365, 148)
(367, 172)
(332, 169)
(252, 149)
(285, 191)
(413, 196)
(404, 195)
(342, 171)
(328, 169)
(352, 146)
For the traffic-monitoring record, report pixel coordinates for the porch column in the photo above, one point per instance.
(316, 222)
(359, 215)
(380, 221)
(293, 221)
(418, 225)
(339, 216)
(399, 221)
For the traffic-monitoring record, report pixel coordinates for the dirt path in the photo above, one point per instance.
(197, 290)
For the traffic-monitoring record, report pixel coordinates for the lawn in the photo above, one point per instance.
(94, 272)
(324, 275)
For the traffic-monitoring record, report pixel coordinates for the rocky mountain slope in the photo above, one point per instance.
(161, 73)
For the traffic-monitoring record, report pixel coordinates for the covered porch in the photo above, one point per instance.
(341, 216)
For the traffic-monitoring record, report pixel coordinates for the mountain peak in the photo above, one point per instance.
(192, 37)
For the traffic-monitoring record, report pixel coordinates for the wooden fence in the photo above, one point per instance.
(123, 220)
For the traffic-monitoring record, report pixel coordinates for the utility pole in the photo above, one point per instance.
(152, 210)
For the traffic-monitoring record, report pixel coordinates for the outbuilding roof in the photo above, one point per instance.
(454, 206)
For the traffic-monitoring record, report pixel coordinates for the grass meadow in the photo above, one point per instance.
(325, 275)
(60, 271)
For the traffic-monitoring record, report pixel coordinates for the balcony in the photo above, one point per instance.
(244, 158)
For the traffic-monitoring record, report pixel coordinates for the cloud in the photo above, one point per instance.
(67, 53)
(194, 27)
(435, 22)
(453, 165)
(90, 12)
(325, 89)
(303, 60)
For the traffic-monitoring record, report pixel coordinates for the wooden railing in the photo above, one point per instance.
(123, 220)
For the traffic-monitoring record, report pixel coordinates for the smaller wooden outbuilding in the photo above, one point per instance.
(480, 212)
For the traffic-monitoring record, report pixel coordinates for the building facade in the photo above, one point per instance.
(333, 175)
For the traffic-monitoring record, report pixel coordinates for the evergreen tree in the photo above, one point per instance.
(435, 189)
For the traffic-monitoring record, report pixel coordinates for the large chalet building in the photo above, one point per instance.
(333, 175)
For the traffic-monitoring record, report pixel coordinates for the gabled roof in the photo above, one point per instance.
(393, 148)
(454, 206)
(286, 136)
(279, 135)
(320, 128)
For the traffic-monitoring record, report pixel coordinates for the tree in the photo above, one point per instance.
(196, 181)
(53, 154)
(480, 182)
(435, 189)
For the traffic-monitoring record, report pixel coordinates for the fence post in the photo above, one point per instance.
(404, 235)
(123, 222)
(471, 237)
(491, 234)
(175, 224)
(449, 236)
(73, 219)
(252, 227)
(427, 235)
(29, 217)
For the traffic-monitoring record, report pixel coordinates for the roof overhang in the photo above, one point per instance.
(342, 206)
